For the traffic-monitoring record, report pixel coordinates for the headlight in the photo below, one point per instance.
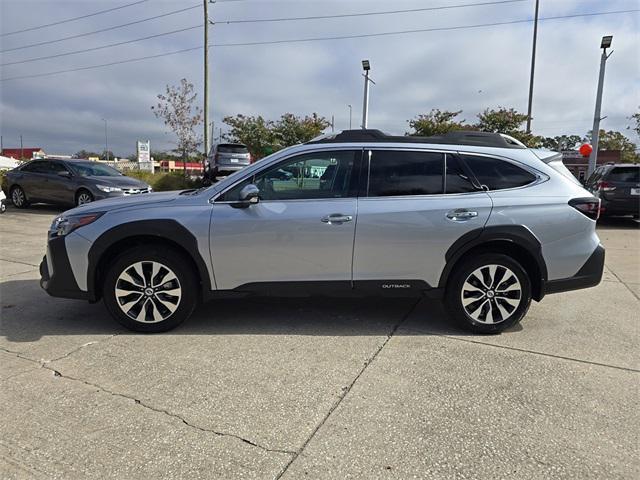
(108, 189)
(64, 225)
(150, 189)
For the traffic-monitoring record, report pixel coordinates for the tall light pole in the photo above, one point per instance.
(595, 131)
(366, 66)
(106, 140)
(533, 66)
(350, 115)
(206, 77)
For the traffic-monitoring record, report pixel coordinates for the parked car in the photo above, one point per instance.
(68, 182)
(475, 219)
(618, 188)
(226, 158)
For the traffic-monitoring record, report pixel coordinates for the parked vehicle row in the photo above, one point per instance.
(475, 219)
(68, 183)
(618, 188)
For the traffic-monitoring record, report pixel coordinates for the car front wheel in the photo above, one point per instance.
(83, 196)
(18, 197)
(488, 293)
(150, 289)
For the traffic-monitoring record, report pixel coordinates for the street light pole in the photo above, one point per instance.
(366, 66)
(350, 115)
(206, 77)
(595, 131)
(106, 140)
(533, 67)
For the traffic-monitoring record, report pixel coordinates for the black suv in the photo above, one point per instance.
(618, 187)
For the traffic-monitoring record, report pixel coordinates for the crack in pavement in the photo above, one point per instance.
(18, 261)
(624, 283)
(346, 390)
(57, 373)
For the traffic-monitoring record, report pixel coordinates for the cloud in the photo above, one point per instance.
(465, 70)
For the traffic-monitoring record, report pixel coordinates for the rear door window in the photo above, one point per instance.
(457, 179)
(624, 174)
(232, 148)
(39, 166)
(498, 174)
(402, 173)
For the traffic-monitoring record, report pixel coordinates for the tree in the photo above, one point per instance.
(86, 154)
(263, 137)
(562, 142)
(103, 155)
(436, 122)
(635, 118)
(507, 121)
(176, 108)
(612, 140)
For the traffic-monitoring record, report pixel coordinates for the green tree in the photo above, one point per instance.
(508, 121)
(612, 140)
(176, 108)
(86, 154)
(636, 119)
(562, 142)
(436, 122)
(291, 130)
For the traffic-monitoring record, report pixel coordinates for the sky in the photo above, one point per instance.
(466, 69)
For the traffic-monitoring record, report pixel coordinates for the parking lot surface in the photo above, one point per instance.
(318, 388)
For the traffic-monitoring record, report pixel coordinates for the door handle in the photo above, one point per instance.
(336, 218)
(461, 215)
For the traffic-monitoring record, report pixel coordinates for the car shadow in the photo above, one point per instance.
(27, 314)
(37, 208)
(618, 223)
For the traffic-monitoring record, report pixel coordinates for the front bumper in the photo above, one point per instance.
(589, 275)
(56, 276)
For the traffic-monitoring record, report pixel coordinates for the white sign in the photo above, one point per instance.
(144, 155)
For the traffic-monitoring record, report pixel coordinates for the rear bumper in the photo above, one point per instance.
(589, 275)
(56, 276)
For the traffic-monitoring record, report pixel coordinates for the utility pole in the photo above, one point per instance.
(595, 131)
(366, 66)
(533, 66)
(206, 77)
(332, 124)
(350, 115)
(21, 149)
(106, 141)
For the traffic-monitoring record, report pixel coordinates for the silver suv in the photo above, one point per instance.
(475, 219)
(226, 158)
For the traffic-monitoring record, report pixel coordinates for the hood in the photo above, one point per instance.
(145, 199)
(122, 182)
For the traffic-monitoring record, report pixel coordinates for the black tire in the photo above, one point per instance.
(168, 258)
(490, 309)
(83, 194)
(19, 197)
(3, 207)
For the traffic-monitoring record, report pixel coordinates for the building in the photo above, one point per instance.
(578, 165)
(26, 153)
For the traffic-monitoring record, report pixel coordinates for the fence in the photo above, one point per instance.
(127, 165)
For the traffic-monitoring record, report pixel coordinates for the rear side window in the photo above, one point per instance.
(39, 166)
(395, 173)
(498, 174)
(456, 179)
(232, 148)
(624, 174)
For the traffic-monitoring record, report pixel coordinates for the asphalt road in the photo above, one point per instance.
(317, 388)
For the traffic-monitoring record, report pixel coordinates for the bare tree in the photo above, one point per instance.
(176, 108)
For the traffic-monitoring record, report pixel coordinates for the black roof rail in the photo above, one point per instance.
(457, 137)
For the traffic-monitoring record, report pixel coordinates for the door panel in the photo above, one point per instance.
(276, 241)
(407, 238)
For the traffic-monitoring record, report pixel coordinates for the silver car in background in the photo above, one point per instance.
(226, 158)
(471, 218)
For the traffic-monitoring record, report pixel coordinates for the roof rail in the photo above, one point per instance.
(457, 137)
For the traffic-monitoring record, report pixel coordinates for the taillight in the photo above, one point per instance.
(605, 186)
(589, 207)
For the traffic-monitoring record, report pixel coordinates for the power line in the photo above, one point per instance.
(101, 30)
(72, 19)
(387, 12)
(459, 27)
(100, 47)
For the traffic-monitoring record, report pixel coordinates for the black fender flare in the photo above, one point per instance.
(515, 234)
(163, 229)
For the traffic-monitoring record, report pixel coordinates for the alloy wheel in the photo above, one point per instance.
(17, 197)
(148, 292)
(491, 294)
(84, 197)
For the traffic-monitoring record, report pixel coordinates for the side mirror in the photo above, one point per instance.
(249, 195)
(65, 174)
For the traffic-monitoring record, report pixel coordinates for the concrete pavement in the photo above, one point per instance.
(271, 388)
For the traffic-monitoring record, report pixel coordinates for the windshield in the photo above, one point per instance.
(94, 169)
(232, 148)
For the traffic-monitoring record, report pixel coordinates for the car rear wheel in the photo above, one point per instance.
(83, 196)
(150, 289)
(488, 293)
(18, 197)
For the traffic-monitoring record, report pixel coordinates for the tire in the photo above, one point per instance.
(19, 197)
(146, 308)
(83, 196)
(3, 207)
(497, 307)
